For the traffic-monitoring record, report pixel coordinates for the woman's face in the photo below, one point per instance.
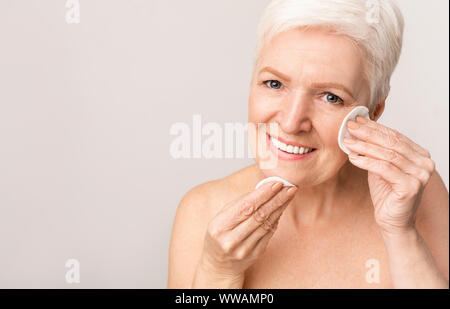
(306, 82)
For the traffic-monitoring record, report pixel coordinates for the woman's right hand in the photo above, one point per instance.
(239, 235)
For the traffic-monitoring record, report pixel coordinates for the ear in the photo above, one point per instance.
(378, 111)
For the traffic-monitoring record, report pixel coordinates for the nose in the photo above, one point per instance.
(295, 114)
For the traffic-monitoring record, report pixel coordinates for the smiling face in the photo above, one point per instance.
(307, 82)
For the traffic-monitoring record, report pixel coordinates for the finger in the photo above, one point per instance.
(395, 134)
(403, 185)
(262, 244)
(257, 241)
(264, 218)
(392, 142)
(241, 210)
(391, 156)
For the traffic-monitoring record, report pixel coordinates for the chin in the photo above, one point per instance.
(304, 177)
(297, 178)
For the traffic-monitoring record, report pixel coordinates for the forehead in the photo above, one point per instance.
(314, 54)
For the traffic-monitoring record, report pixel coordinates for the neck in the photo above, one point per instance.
(331, 201)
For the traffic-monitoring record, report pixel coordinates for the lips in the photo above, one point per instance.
(292, 143)
(289, 151)
(290, 147)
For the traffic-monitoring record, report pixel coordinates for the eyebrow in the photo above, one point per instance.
(335, 86)
(313, 85)
(273, 71)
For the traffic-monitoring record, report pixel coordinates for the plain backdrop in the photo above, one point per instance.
(85, 114)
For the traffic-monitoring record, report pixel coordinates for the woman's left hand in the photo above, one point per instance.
(398, 172)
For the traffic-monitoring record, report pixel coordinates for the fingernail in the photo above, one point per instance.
(362, 120)
(277, 186)
(350, 141)
(353, 125)
(292, 191)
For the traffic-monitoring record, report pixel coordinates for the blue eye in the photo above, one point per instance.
(274, 84)
(334, 99)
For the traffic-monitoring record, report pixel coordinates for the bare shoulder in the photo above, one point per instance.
(435, 200)
(432, 221)
(211, 196)
(196, 209)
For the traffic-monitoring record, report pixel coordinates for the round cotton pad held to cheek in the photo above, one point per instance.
(361, 111)
(276, 179)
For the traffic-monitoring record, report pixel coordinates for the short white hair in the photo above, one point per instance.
(374, 25)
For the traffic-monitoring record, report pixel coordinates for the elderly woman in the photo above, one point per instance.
(377, 218)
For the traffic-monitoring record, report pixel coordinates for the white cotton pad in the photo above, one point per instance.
(361, 111)
(275, 179)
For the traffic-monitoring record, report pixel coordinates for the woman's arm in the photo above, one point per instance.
(188, 233)
(410, 203)
(420, 258)
(233, 240)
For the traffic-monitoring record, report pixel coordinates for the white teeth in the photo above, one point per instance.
(289, 148)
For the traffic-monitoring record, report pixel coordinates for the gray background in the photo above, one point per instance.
(85, 113)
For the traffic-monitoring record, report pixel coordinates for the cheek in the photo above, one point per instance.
(333, 155)
(255, 110)
(261, 107)
(329, 132)
(252, 109)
